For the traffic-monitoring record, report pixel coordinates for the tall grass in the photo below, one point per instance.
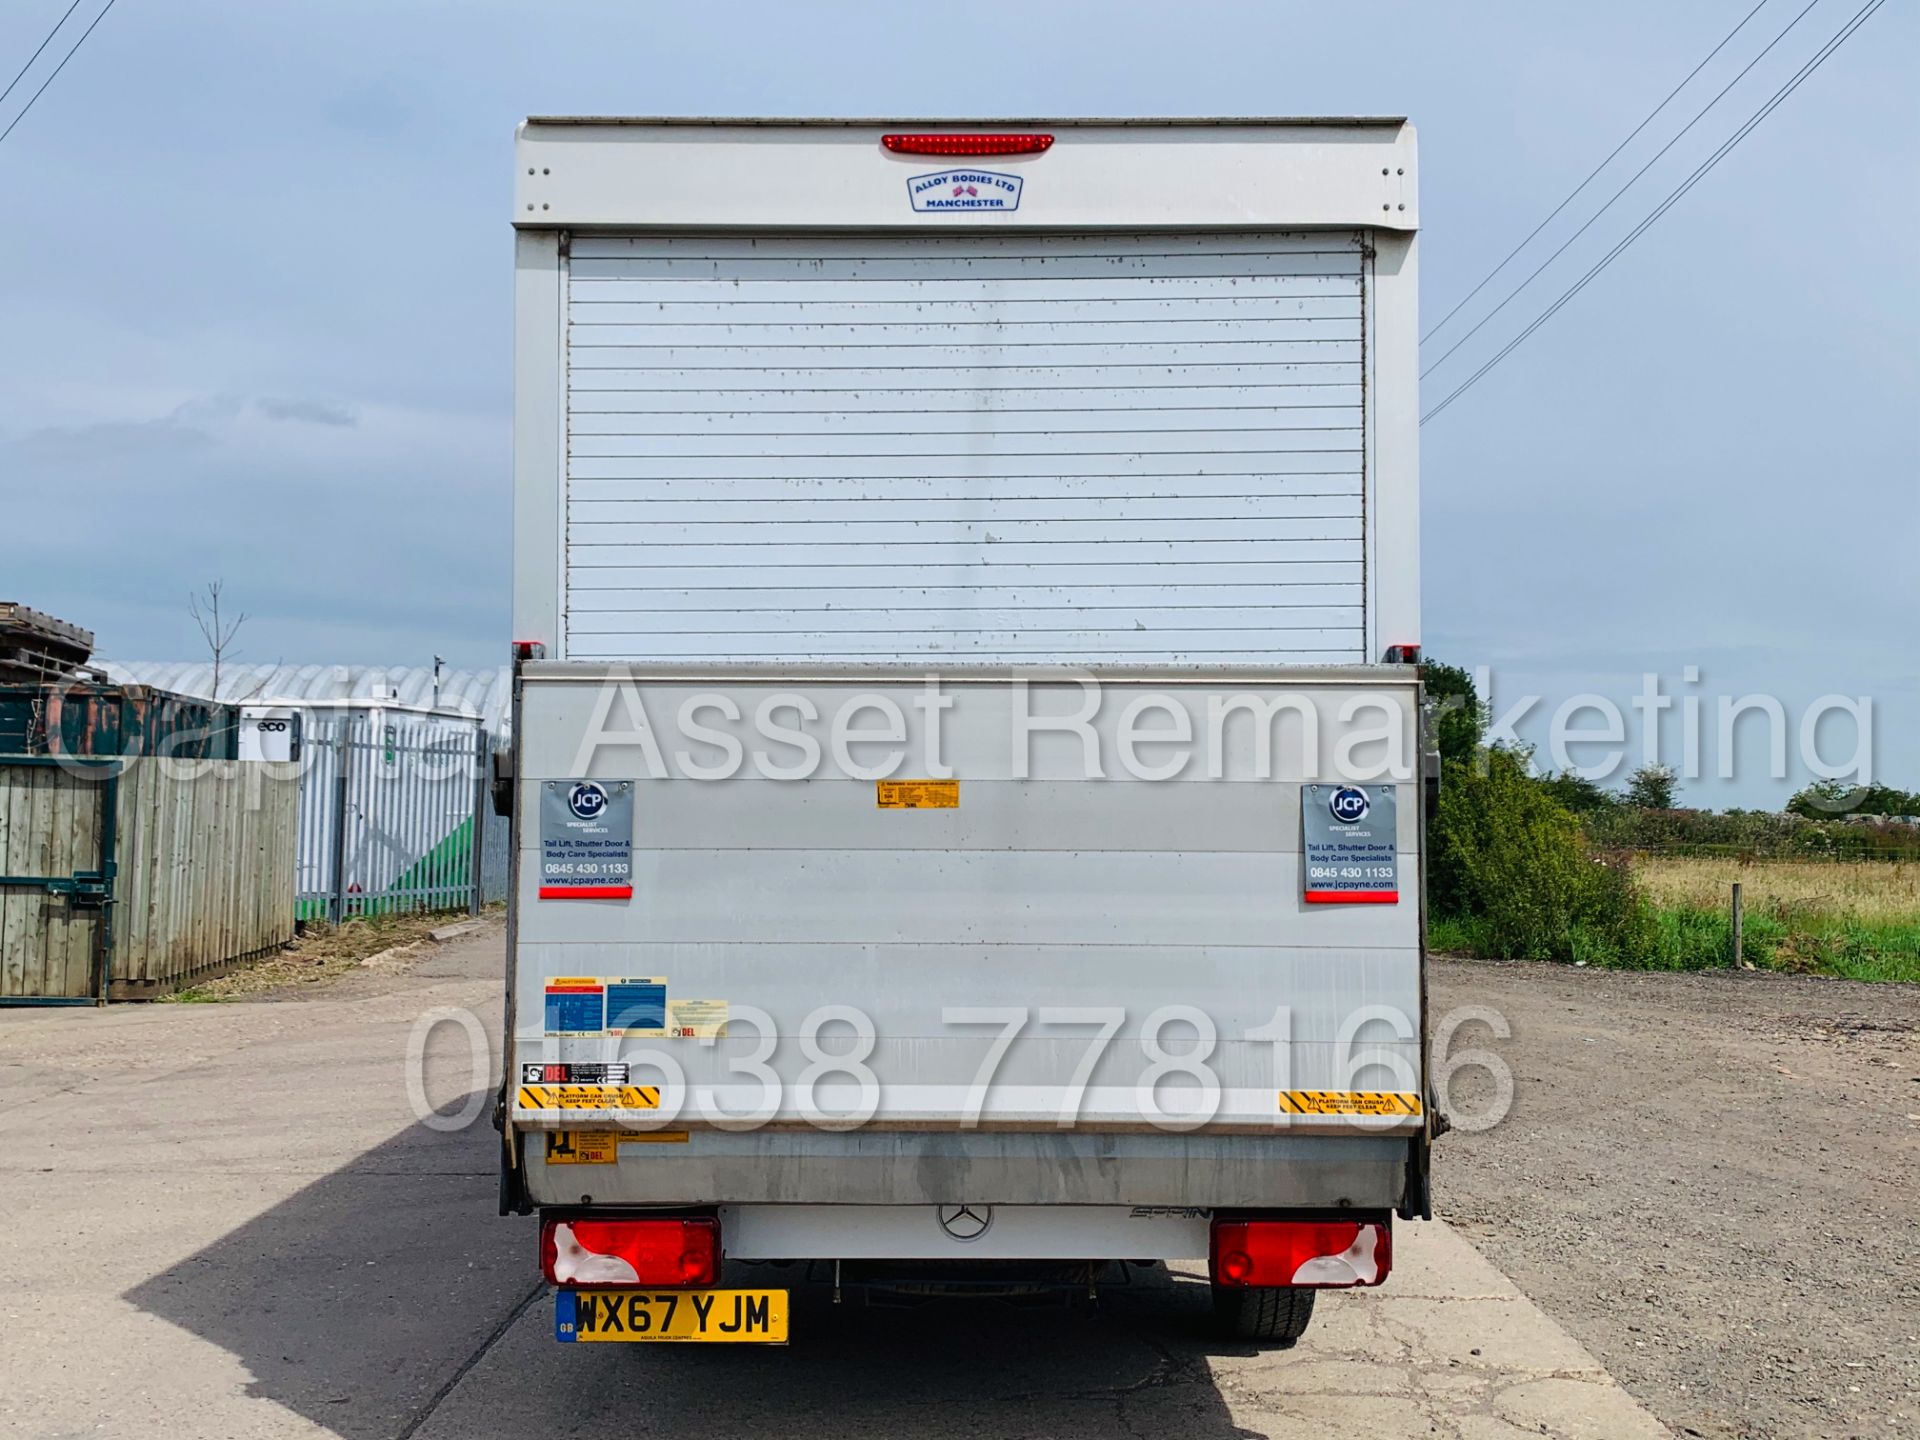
(1859, 921)
(1872, 891)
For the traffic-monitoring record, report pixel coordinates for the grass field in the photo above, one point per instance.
(1857, 919)
(1869, 891)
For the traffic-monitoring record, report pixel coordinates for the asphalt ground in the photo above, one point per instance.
(225, 1220)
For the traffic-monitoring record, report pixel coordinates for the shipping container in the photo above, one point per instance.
(102, 718)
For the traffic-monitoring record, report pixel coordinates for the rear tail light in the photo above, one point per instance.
(967, 144)
(1310, 1254)
(675, 1252)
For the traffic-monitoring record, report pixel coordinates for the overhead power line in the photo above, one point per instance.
(1700, 115)
(1592, 174)
(1840, 38)
(56, 69)
(36, 54)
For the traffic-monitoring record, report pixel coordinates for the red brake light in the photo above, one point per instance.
(590, 1254)
(1310, 1254)
(967, 144)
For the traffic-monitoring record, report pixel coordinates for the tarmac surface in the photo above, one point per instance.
(227, 1221)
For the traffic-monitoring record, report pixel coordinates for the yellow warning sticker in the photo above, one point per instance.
(589, 1097)
(697, 1019)
(601, 1147)
(1349, 1102)
(580, 1147)
(919, 794)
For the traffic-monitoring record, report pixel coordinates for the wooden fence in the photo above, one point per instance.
(146, 872)
(206, 868)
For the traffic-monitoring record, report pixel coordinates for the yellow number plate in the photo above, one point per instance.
(711, 1315)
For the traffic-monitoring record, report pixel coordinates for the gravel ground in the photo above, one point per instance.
(1712, 1180)
(321, 957)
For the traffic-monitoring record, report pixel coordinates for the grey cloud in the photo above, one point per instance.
(187, 427)
(313, 412)
(112, 439)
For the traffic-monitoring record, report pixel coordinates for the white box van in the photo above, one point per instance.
(967, 776)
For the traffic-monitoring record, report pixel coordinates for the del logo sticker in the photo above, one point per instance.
(964, 190)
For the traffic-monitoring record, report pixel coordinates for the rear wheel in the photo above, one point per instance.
(1276, 1317)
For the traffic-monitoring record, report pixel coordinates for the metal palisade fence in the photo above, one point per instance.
(395, 816)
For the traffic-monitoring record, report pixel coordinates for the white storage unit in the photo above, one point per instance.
(997, 448)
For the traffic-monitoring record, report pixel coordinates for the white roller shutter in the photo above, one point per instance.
(1135, 449)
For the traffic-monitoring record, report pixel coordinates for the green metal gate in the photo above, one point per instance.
(57, 816)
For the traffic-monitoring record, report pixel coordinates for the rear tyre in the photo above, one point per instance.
(1275, 1317)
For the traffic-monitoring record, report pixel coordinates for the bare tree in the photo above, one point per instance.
(216, 631)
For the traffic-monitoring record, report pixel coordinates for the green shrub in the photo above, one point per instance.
(1652, 787)
(1511, 860)
(1456, 719)
(1578, 793)
(1829, 799)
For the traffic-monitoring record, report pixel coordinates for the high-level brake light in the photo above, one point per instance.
(967, 144)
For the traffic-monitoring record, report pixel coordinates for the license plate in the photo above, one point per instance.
(711, 1315)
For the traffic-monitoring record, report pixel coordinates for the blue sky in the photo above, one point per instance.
(254, 296)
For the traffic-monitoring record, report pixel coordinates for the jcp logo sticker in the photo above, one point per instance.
(587, 800)
(1349, 805)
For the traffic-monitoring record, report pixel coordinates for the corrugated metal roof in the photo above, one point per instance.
(487, 694)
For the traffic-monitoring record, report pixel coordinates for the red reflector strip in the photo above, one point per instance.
(1353, 897)
(967, 144)
(586, 892)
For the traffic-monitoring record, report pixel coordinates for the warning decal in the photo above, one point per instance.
(576, 1005)
(601, 1147)
(918, 794)
(697, 1019)
(540, 1072)
(589, 1097)
(1349, 1102)
(637, 1006)
(580, 1147)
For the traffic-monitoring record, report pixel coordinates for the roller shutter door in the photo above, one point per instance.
(992, 448)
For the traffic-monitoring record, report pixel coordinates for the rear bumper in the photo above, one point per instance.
(982, 1232)
(909, 1168)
